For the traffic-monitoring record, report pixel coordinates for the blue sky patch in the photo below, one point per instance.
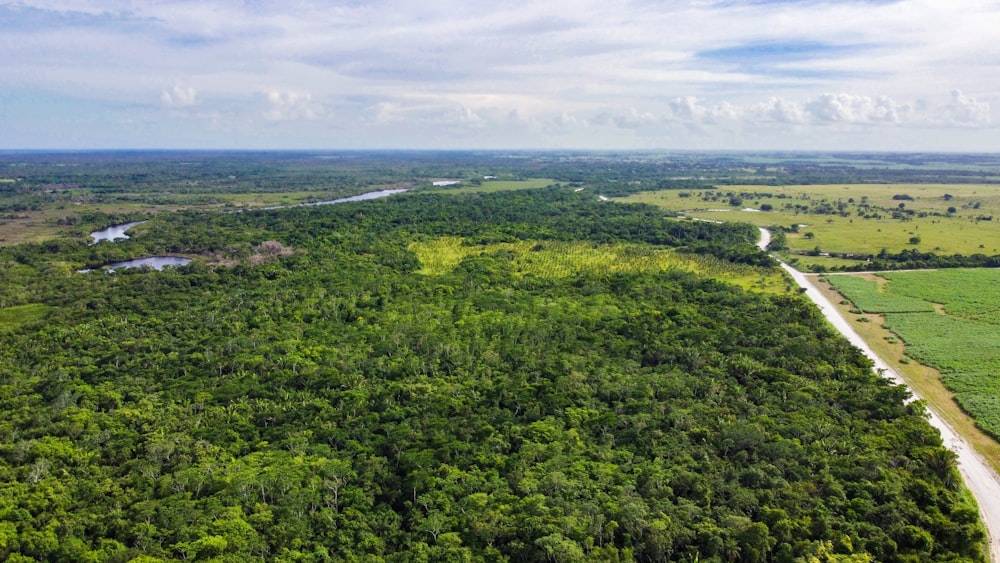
(768, 58)
(777, 52)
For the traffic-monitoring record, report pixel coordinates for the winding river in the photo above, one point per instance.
(362, 197)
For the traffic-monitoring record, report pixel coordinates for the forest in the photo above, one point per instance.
(305, 391)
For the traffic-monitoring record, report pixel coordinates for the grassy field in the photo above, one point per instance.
(12, 317)
(561, 259)
(948, 320)
(855, 218)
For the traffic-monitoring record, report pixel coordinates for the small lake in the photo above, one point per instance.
(114, 232)
(154, 262)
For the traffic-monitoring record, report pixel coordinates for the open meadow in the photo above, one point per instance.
(946, 319)
(858, 219)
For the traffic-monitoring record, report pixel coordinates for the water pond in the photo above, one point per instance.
(154, 262)
(114, 232)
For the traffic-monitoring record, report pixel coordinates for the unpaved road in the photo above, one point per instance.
(979, 477)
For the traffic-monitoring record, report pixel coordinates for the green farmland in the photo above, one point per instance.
(949, 320)
(854, 218)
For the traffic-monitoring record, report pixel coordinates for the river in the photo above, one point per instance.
(362, 197)
(981, 480)
(117, 232)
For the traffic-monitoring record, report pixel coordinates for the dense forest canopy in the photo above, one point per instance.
(328, 401)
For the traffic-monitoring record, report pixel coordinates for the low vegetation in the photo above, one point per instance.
(949, 320)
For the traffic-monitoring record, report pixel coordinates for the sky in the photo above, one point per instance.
(874, 75)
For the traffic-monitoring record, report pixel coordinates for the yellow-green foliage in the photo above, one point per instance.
(555, 259)
(12, 317)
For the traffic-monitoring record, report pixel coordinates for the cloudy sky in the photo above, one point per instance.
(451, 74)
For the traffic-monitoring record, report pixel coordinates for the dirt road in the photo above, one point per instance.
(979, 477)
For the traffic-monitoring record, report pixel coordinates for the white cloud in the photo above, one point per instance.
(286, 105)
(778, 110)
(841, 109)
(965, 111)
(179, 97)
(601, 72)
(630, 118)
(848, 108)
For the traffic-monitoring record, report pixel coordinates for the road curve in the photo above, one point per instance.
(979, 477)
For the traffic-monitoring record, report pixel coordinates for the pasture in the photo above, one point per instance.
(854, 218)
(948, 320)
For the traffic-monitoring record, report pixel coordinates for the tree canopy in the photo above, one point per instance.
(330, 402)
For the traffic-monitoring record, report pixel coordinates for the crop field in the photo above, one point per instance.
(551, 259)
(855, 218)
(870, 296)
(956, 330)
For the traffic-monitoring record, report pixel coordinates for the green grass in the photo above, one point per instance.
(553, 259)
(958, 332)
(13, 317)
(966, 293)
(939, 231)
(817, 263)
(870, 297)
